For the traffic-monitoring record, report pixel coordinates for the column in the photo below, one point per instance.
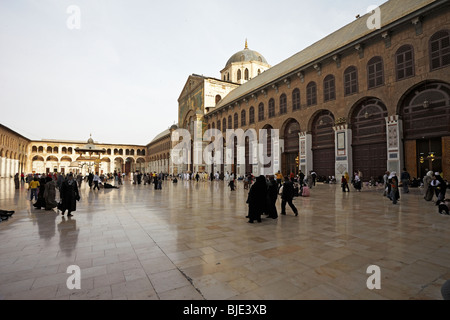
(395, 157)
(306, 156)
(3, 167)
(344, 158)
(8, 168)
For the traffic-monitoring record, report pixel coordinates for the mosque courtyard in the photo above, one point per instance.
(191, 241)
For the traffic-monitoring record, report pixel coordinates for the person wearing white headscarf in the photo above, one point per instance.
(427, 183)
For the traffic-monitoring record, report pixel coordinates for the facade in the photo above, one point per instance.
(359, 99)
(13, 152)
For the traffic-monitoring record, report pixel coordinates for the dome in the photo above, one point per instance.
(246, 55)
(90, 141)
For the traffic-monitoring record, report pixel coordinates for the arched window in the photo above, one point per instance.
(296, 99)
(375, 72)
(236, 121)
(228, 76)
(230, 123)
(440, 49)
(246, 76)
(224, 124)
(243, 120)
(251, 115)
(213, 125)
(283, 104)
(259, 71)
(261, 112)
(239, 75)
(404, 62)
(218, 98)
(311, 94)
(271, 108)
(218, 125)
(329, 88)
(350, 81)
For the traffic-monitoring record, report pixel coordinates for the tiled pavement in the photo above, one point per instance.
(191, 241)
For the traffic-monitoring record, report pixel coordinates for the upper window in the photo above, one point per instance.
(375, 72)
(243, 120)
(350, 81)
(311, 94)
(239, 75)
(251, 115)
(329, 88)
(218, 125)
(440, 49)
(283, 104)
(236, 121)
(404, 62)
(261, 112)
(230, 124)
(246, 76)
(271, 108)
(296, 99)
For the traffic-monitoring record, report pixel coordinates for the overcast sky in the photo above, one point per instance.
(119, 76)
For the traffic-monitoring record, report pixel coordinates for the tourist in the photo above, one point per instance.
(40, 203)
(256, 207)
(96, 180)
(287, 196)
(344, 185)
(395, 195)
(33, 186)
(272, 196)
(357, 183)
(427, 188)
(69, 195)
(439, 186)
(50, 194)
(387, 184)
(17, 181)
(405, 178)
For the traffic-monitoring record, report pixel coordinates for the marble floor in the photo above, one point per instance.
(191, 241)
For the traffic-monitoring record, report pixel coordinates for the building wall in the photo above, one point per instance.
(391, 93)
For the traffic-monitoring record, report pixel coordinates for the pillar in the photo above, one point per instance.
(3, 167)
(394, 133)
(343, 149)
(306, 155)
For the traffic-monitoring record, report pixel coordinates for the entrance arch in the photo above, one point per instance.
(425, 111)
(323, 144)
(368, 123)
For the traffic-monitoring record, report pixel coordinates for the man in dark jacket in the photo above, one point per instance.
(287, 196)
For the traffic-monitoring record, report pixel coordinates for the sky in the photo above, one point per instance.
(115, 68)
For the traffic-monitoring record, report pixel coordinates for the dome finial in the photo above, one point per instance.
(246, 44)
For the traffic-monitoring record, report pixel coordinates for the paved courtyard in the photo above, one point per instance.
(191, 241)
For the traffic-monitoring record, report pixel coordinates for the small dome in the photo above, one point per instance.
(90, 141)
(246, 55)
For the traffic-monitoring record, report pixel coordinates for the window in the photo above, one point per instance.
(236, 121)
(375, 72)
(329, 88)
(230, 123)
(224, 124)
(311, 94)
(243, 120)
(218, 98)
(213, 125)
(261, 112)
(283, 104)
(251, 115)
(350, 81)
(271, 108)
(404, 62)
(239, 75)
(296, 100)
(440, 49)
(218, 125)
(246, 76)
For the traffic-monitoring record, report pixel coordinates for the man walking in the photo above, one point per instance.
(287, 196)
(405, 178)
